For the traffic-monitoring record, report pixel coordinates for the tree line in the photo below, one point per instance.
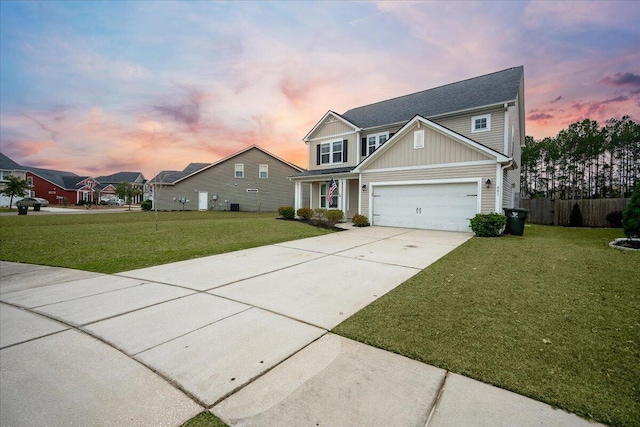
(584, 161)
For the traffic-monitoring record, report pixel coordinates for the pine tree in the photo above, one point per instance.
(631, 215)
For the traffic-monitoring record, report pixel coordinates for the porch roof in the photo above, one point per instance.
(324, 173)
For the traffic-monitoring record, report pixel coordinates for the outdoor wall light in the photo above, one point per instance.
(364, 187)
(488, 183)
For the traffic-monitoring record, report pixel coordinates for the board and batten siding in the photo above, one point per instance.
(274, 191)
(483, 172)
(438, 149)
(493, 138)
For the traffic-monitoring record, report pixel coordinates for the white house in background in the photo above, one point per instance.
(9, 168)
(431, 160)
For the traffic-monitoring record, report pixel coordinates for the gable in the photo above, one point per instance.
(441, 140)
(438, 149)
(331, 124)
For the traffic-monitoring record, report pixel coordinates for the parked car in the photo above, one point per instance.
(32, 201)
(117, 202)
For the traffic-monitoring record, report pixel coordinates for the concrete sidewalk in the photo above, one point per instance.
(244, 335)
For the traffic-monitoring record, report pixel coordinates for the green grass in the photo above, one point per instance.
(114, 242)
(554, 315)
(204, 419)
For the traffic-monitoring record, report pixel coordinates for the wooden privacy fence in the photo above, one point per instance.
(557, 212)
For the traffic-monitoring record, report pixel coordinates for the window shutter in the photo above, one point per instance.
(318, 154)
(345, 157)
(364, 147)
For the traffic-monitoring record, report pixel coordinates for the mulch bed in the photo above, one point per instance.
(632, 244)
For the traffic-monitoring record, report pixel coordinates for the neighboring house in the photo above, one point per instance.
(107, 185)
(56, 186)
(432, 159)
(250, 180)
(9, 168)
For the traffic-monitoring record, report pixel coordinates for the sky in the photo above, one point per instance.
(97, 87)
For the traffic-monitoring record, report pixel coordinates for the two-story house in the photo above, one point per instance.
(251, 180)
(431, 159)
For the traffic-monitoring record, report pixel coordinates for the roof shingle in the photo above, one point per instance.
(490, 89)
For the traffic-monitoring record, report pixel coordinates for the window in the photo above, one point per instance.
(323, 197)
(239, 170)
(331, 152)
(5, 175)
(481, 123)
(375, 141)
(418, 139)
(264, 171)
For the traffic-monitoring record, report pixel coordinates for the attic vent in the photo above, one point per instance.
(418, 139)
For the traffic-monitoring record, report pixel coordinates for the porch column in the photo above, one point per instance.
(342, 188)
(297, 204)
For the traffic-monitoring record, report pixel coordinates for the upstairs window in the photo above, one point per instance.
(336, 151)
(239, 171)
(481, 123)
(332, 152)
(375, 141)
(264, 171)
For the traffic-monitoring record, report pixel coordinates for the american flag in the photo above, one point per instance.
(332, 188)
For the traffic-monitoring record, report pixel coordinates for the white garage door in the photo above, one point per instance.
(429, 206)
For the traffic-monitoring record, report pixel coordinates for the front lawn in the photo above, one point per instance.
(114, 242)
(554, 315)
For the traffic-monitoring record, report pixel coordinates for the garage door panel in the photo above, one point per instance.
(429, 206)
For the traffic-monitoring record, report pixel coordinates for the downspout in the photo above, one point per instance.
(499, 183)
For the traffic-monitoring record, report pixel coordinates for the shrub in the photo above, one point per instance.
(575, 219)
(103, 203)
(146, 205)
(287, 212)
(614, 218)
(488, 225)
(305, 213)
(319, 214)
(631, 215)
(334, 216)
(360, 220)
(81, 203)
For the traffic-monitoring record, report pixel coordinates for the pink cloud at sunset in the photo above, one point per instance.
(96, 88)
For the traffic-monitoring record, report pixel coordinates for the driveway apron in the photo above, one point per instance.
(243, 334)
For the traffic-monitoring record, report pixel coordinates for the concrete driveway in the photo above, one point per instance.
(244, 334)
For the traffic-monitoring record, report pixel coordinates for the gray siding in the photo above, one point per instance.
(275, 191)
(483, 172)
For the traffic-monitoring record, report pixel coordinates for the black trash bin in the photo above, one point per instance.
(22, 210)
(515, 220)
